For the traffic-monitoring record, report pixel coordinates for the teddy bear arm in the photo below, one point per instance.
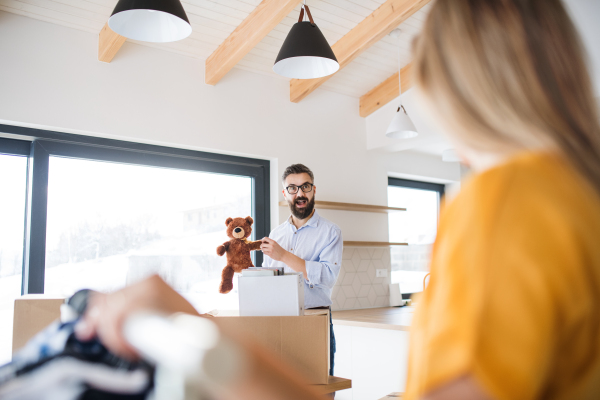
(255, 245)
(222, 248)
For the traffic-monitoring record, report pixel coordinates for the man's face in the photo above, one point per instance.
(301, 204)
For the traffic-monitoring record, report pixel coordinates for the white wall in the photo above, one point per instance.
(50, 77)
(585, 15)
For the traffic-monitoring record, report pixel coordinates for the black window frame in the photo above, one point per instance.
(435, 187)
(40, 144)
(440, 188)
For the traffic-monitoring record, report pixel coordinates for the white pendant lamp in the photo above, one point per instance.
(401, 126)
(450, 155)
(305, 53)
(156, 21)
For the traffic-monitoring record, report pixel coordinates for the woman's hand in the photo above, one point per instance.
(106, 313)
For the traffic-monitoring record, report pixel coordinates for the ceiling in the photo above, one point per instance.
(214, 20)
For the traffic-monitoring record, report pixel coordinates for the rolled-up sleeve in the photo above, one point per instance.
(326, 269)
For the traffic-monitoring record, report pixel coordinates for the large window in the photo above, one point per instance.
(80, 212)
(13, 183)
(121, 223)
(416, 226)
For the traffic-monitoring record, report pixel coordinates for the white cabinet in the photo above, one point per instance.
(375, 360)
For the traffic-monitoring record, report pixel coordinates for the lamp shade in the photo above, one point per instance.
(401, 126)
(305, 53)
(150, 20)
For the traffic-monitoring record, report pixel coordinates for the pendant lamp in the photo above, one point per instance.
(156, 21)
(305, 53)
(401, 126)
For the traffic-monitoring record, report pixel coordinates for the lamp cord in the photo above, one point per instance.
(303, 6)
(399, 74)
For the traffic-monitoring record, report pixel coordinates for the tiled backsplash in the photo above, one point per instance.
(357, 286)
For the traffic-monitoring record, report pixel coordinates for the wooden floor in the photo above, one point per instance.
(395, 318)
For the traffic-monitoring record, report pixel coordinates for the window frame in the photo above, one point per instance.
(440, 188)
(40, 144)
(435, 187)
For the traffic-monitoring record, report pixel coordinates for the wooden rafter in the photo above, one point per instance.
(109, 44)
(248, 34)
(385, 92)
(372, 29)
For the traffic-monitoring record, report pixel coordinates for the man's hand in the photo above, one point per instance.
(278, 253)
(106, 313)
(272, 249)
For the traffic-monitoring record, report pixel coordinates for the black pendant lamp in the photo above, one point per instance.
(305, 53)
(150, 20)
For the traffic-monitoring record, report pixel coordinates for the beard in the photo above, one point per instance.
(302, 213)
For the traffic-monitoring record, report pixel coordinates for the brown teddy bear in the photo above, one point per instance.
(238, 250)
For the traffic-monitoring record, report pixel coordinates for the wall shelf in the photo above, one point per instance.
(331, 205)
(372, 244)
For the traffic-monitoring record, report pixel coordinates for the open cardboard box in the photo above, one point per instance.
(302, 342)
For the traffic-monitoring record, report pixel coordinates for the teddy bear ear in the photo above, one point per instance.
(249, 220)
(228, 221)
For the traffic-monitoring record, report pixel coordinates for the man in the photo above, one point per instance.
(306, 243)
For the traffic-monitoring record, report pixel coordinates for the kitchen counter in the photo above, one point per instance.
(393, 318)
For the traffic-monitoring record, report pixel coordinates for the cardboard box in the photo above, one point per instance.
(302, 342)
(275, 296)
(33, 313)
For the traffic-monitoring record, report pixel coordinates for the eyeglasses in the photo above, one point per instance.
(306, 187)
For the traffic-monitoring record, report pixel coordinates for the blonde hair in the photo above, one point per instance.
(505, 75)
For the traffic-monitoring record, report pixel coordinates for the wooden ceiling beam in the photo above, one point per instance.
(372, 29)
(385, 92)
(109, 44)
(267, 15)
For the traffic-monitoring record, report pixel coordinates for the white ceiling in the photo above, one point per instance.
(213, 20)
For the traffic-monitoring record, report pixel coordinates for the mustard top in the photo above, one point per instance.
(514, 295)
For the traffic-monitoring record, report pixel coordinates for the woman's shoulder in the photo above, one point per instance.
(536, 197)
(531, 180)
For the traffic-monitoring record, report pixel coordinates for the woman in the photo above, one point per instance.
(511, 310)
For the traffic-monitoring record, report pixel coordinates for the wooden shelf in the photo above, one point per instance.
(373, 244)
(335, 384)
(331, 205)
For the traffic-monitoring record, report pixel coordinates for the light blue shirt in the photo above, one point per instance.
(319, 243)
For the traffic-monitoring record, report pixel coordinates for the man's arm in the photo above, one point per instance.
(322, 272)
(325, 271)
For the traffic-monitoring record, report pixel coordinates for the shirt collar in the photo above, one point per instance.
(313, 221)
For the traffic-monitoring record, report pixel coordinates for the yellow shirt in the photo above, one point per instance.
(514, 295)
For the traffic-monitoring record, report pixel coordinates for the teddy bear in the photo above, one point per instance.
(238, 250)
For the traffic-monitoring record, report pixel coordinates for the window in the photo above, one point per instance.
(13, 183)
(81, 212)
(121, 223)
(416, 226)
